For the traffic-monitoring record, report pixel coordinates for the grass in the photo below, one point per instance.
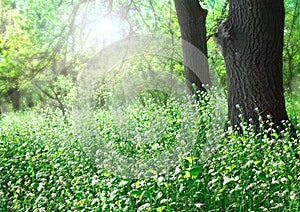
(45, 166)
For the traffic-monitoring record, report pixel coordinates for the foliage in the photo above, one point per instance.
(43, 164)
(44, 168)
(34, 45)
(291, 45)
(15, 50)
(291, 58)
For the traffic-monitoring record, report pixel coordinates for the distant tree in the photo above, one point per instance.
(251, 41)
(35, 45)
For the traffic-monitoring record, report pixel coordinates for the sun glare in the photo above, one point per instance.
(107, 26)
(102, 31)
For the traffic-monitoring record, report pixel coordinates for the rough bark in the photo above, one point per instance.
(192, 18)
(251, 41)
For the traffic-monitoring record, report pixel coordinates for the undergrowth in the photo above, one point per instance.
(44, 167)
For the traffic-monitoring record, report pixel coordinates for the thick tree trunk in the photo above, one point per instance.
(191, 18)
(251, 41)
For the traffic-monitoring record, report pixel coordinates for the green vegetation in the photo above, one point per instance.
(44, 168)
(49, 158)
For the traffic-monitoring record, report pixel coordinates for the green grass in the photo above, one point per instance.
(43, 165)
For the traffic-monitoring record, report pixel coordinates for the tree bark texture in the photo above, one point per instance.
(192, 18)
(251, 41)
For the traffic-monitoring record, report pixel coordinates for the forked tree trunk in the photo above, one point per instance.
(192, 18)
(251, 41)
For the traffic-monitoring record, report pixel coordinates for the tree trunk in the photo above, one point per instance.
(14, 96)
(191, 18)
(251, 41)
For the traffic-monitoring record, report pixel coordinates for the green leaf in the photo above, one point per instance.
(146, 194)
(257, 162)
(135, 193)
(113, 195)
(195, 171)
(187, 174)
(190, 159)
(275, 135)
(160, 209)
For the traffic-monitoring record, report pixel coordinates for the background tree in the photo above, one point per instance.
(251, 41)
(192, 19)
(35, 48)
